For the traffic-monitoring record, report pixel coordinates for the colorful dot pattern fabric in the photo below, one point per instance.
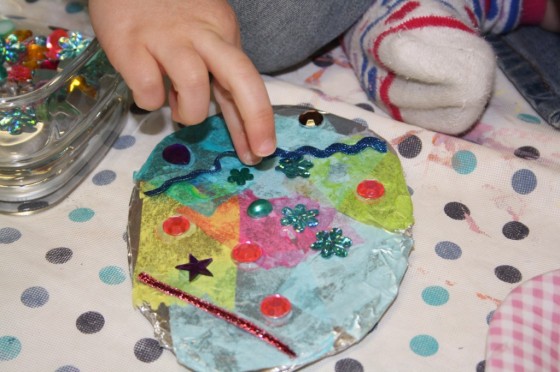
(486, 209)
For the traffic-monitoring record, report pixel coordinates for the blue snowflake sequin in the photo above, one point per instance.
(296, 167)
(299, 217)
(11, 49)
(240, 177)
(15, 120)
(332, 242)
(72, 46)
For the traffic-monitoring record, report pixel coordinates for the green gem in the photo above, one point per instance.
(259, 208)
(3, 75)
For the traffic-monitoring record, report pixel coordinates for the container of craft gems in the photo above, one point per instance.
(61, 107)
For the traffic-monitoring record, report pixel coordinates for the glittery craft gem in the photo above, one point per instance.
(311, 118)
(259, 208)
(48, 64)
(53, 43)
(3, 75)
(15, 120)
(276, 306)
(240, 176)
(332, 242)
(176, 225)
(79, 82)
(297, 167)
(54, 38)
(370, 189)
(218, 312)
(23, 35)
(13, 49)
(72, 46)
(19, 73)
(299, 217)
(24, 58)
(2, 51)
(177, 154)
(32, 64)
(196, 267)
(35, 54)
(246, 253)
(95, 69)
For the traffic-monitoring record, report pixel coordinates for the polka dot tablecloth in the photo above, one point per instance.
(487, 207)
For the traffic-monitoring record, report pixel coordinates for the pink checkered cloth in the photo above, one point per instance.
(524, 332)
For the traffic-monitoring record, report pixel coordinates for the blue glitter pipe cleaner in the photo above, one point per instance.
(366, 142)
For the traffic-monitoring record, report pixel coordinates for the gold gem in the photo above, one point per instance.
(80, 83)
(23, 35)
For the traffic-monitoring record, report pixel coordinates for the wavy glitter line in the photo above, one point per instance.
(371, 142)
(366, 142)
(218, 312)
(192, 175)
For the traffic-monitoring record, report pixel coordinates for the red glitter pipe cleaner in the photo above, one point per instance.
(218, 312)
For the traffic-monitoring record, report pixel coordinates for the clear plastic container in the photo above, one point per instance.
(67, 123)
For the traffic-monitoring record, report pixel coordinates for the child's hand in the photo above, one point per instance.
(186, 40)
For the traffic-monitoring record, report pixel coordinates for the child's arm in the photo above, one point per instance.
(186, 40)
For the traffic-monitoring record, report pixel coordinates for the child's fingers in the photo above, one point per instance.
(142, 74)
(190, 83)
(173, 105)
(237, 75)
(234, 123)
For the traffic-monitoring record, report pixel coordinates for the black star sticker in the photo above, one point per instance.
(196, 267)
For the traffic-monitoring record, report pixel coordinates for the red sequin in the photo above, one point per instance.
(370, 189)
(176, 225)
(275, 306)
(246, 252)
(49, 64)
(19, 73)
(52, 43)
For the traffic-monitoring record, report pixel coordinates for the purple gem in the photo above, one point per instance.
(177, 154)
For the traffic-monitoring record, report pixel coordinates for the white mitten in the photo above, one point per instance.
(424, 61)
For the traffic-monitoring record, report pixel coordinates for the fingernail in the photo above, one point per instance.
(267, 147)
(250, 159)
